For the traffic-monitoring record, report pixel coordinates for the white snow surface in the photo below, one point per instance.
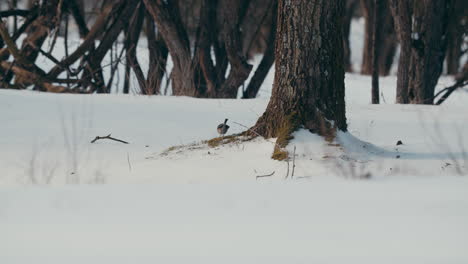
(359, 199)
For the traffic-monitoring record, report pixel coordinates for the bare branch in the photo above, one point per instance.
(109, 137)
(263, 176)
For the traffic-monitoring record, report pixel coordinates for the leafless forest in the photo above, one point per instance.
(210, 43)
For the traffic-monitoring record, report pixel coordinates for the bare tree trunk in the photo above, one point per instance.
(266, 62)
(36, 32)
(205, 38)
(375, 54)
(387, 36)
(428, 47)
(240, 69)
(367, 7)
(93, 68)
(309, 78)
(386, 40)
(456, 29)
(351, 6)
(158, 54)
(167, 17)
(257, 14)
(131, 45)
(402, 11)
(77, 10)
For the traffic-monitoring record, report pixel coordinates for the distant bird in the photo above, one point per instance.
(223, 128)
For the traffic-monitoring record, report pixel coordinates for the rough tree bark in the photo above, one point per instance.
(386, 39)
(402, 12)
(429, 43)
(422, 30)
(308, 90)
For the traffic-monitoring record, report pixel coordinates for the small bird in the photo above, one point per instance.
(223, 128)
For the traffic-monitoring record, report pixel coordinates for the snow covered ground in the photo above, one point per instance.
(403, 220)
(45, 139)
(413, 209)
(362, 199)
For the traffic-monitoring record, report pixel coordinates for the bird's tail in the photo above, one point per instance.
(225, 121)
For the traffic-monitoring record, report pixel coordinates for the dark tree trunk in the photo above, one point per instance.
(195, 73)
(240, 69)
(205, 38)
(402, 11)
(386, 40)
(37, 33)
(375, 54)
(258, 13)
(428, 49)
(351, 6)
(456, 29)
(131, 44)
(422, 30)
(167, 17)
(267, 61)
(308, 90)
(77, 10)
(93, 68)
(158, 54)
(367, 7)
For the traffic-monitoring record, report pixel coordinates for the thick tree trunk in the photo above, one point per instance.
(309, 80)
(429, 43)
(386, 40)
(422, 31)
(402, 11)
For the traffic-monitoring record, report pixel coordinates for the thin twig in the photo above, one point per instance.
(263, 176)
(248, 128)
(109, 137)
(294, 162)
(129, 164)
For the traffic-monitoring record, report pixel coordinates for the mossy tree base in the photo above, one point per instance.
(283, 127)
(308, 90)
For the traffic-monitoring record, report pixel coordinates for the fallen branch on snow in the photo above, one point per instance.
(263, 176)
(109, 137)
